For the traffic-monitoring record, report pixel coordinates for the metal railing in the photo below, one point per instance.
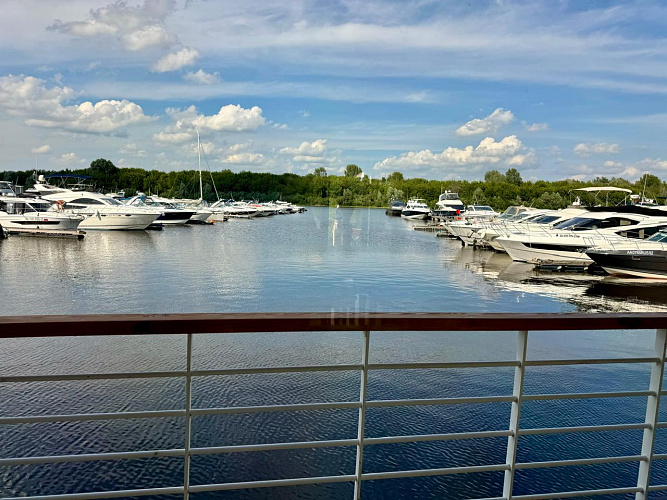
(190, 325)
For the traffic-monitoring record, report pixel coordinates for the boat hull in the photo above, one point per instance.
(414, 214)
(641, 263)
(118, 222)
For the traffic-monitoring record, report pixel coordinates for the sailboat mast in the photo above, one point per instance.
(201, 189)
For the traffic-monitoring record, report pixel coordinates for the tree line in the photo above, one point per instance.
(352, 188)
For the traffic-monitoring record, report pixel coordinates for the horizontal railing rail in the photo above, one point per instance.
(192, 324)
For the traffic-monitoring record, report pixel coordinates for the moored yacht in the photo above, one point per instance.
(34, 213)
(416, 209)
(170, 214)
(103, 212)
(645, 259)
(448, 205)
(395, 208)
(568, 241)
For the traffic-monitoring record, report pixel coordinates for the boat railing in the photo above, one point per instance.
(191, 325)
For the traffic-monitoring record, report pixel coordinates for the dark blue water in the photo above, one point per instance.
(323, 260)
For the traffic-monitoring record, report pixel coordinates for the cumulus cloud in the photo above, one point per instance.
(69, 159)
(43, 107)
(202, 77)
(176, 60)
(509, 151)
(536, 127)
(588, 149)
(41, 150)
(488, 125)
(244, 159)
(147, 37)
(132, 149)
(311, 152)
(137, 28)
(230, 118)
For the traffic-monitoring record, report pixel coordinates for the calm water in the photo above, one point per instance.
(322, 260)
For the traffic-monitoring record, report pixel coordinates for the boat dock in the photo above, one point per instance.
(50, 233)
(429, 228)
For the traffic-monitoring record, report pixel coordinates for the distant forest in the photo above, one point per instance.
(351, 189)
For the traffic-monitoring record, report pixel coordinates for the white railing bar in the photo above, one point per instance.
(91, 376)
(212, 450)
(175, 490)
(457, 364)
(580, 493)
(275, 369)
(583, 428)
(661, 425)
(580, 461)
(652, 408)
(592, 361)
(660, 456)
(658, 487)
(363, 392)
(31, 419)
(177, 373)
(200, 488)
(515, 414)
(260, 409)
(433, 472)
(188, 417)
(587, 395)
(439, 401)
(89, 457)
(437, 437)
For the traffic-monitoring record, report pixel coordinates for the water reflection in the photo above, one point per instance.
(585, 291)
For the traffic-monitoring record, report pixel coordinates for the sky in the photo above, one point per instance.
(438, 89)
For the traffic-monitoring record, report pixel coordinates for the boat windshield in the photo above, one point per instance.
(111, 201)
(661, 237)
(545, 219)
(585, 223)
(482, 208)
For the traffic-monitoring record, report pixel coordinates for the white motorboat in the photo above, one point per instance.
(644, 259)
(170, 214)
(416, 209)
(235, 209)
(102, 212)
(34, 213)
(448, 205)
(568, 241)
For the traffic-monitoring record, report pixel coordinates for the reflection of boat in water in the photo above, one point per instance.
(586, 292)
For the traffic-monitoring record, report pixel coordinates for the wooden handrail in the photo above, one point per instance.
(160, 324)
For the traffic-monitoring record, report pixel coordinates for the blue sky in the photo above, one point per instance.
(436, 89)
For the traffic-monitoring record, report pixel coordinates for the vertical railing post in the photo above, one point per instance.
(515, 416)
(188, 420)
(652, 407)
(362, 417)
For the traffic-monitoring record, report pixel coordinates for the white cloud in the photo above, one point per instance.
(137, 28)
(231, 118)
(147, 37)
(174, 137)
(69, 159)
(43, 107)
(304, 113)
(509, 151)
(244, 159)
(315, 148)
(202, 77)
(132, 149)
(488, 125)
(585, 149)
(176, 60)
(536, 127)
(41, 150)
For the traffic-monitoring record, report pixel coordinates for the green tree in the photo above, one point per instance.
(321, 172)
(494, 176)
(395, 178)
(352, 170)
(513, 177)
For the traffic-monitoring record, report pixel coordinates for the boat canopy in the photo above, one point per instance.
(595, 189)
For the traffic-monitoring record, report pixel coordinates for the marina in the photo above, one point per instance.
(228, 268)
